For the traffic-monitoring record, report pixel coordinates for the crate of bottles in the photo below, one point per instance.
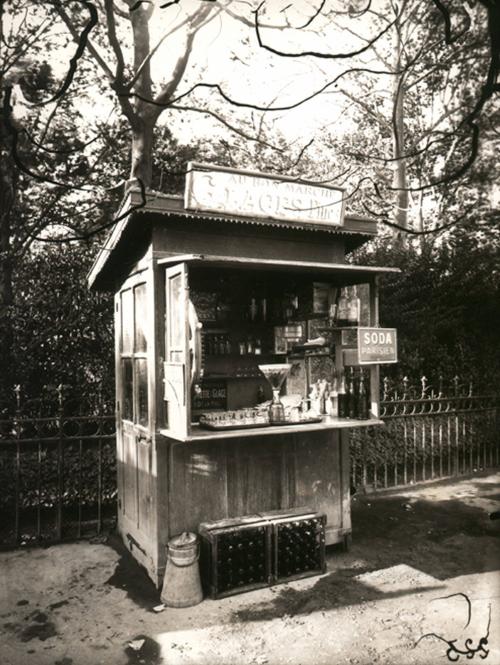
(298, 545)
(260, 550)
(235, 555)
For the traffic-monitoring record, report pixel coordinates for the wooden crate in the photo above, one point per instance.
(235, 555)
(260, 550)
(298, 546)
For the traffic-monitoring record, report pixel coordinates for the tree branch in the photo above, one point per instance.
(316, 54)
(227, 124)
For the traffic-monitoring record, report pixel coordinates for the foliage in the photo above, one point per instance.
(445, 305)
(63, 333)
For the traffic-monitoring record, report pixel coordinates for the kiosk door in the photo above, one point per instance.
(134, 441)
(177, 361)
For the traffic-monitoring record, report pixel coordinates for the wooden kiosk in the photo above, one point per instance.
(241, 271)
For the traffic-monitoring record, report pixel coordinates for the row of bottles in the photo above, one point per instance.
(221, 345)
(241, 558)
(348, 308)
(353, 395)
(299, 548)
(346, 396)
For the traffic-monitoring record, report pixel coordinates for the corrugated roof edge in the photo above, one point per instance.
(171, 205)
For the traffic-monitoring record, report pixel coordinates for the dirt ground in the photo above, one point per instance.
(420, 560)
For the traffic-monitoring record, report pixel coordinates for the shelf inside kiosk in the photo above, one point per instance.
(251, 318)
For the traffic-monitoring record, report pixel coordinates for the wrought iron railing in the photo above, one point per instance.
(57, 468)
(58, 460)
(428, 434)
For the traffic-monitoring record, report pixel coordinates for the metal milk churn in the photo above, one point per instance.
(181, 584)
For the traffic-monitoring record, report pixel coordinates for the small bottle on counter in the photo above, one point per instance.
(351, 395)
(258, 347)
(342, 397)
(328, 399)
(363, 411)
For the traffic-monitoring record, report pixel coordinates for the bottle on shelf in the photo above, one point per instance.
(334, 398)
(221, 346)
(263, 309)
(253, 309)
(342, 397)
(250, 345)
(351, 392)
(258, 347)
(353, 307)
(363, 411)
(342, 309)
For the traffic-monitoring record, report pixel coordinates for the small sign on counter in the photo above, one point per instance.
(213, 396)
(377, 346)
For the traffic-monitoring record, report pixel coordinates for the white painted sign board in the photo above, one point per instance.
(377, 346)
(244, 194)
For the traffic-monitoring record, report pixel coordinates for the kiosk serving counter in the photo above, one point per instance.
(205, 295)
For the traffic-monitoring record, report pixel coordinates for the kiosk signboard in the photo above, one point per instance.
(377, 346)
(243, 193)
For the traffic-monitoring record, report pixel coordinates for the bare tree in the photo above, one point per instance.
(425, 49)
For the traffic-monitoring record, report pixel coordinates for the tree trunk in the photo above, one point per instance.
(400, 181)
(141, 167)
(7, 196)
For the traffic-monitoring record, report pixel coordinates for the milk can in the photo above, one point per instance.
(181, 584)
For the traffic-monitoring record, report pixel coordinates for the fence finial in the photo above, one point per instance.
(17, 391)
(405, 387)
(470, 388)
(423, 381)
(386, 388)
(456, 380)
(440, 384)
(60, 389)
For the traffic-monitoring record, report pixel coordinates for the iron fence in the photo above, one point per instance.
(57, 468)
(58, 460)
(428, 433)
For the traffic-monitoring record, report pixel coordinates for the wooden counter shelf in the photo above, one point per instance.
(199, 434)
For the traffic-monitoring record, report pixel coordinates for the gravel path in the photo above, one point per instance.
(420, 560)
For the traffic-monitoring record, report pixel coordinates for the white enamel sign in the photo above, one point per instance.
(243, 194)
(377, 346)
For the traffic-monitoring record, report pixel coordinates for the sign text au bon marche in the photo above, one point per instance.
(243, 194)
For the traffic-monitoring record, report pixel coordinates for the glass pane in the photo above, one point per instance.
(127, 307)
(141, 377)
(364, 297)
(174, 318)
(140, 317)
(127, 411)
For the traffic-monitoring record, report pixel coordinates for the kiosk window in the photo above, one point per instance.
(133, 355)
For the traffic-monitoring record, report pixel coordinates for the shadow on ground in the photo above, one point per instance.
(130, 577)
(439, 539)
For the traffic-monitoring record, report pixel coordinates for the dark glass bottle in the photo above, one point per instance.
(342, 397)
(362, 397)
(342, 310)
(351, 393)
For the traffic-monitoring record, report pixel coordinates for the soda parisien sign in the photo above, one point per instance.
(248, 195)
(377, 346)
